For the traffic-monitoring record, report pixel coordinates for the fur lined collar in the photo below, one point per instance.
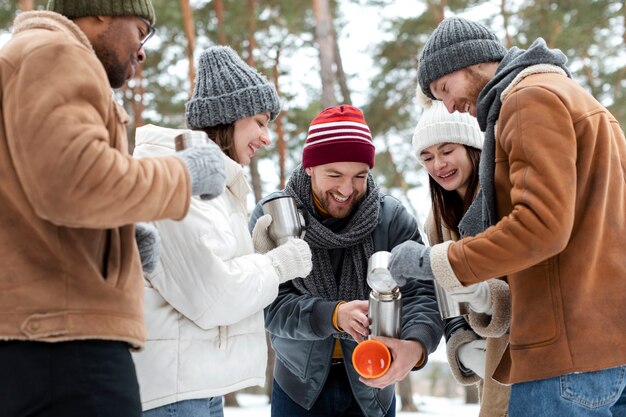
(51, 21)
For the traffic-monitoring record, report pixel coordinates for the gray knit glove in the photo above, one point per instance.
(291, 259)
(261, 239)
(206, 168)
(149, 245)
(410, 260)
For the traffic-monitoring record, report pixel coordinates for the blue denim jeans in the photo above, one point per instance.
(335, 400)
(205, 407)
(587, 394)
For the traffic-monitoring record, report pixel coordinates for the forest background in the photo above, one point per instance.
(321, 53)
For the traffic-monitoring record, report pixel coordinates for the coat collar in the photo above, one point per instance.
(51, 21)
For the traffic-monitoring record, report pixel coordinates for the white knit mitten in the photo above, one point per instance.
(473, 356)
(261, 239)
(291, 259)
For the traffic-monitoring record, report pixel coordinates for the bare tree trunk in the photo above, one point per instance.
(324, 37)
(269, 371)
(190, 34)
(219, 13)
(405, 389)
(255, 176)
(341, 75)
(588, 73)
(471, 394)
(505, 16)
(138, 92)
(230, 400)
(25, 5)
(281, 144)
(438, 9)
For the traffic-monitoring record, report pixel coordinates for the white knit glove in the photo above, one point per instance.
(291, 259)
(473, 356)
(261, 239)
(477, 295)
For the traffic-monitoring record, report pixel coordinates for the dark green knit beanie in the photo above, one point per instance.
(81, 8)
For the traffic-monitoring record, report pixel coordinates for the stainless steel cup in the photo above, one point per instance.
(287, 221)
(378, 276)
(449, 308)
(189, 139)
(384, 312)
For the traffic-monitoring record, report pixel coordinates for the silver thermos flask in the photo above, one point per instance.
(384, 311)
(385, 299)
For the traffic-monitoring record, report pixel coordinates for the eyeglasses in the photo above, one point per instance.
(151, 31)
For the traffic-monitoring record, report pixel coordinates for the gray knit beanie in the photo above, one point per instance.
(457, 43)
(73, 9)
(227, 89)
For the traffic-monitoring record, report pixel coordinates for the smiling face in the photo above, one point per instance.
(118, 46)
(459, 90)
(251, 133)
(449, 165)
(339, 186)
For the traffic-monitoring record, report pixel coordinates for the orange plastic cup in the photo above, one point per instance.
(371, 358)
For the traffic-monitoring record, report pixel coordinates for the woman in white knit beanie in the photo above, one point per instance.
(448, 145)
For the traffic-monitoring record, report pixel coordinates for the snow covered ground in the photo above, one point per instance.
(258, 406)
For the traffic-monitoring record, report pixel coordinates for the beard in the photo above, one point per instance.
(476, 82)
(104, 47)
(339, 212)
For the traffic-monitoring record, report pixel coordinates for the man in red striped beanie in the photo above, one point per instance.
(339, 144)
(316, 321)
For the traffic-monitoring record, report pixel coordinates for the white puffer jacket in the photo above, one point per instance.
(204, 302)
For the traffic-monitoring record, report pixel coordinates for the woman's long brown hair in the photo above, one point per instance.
(224, 136)
(447, 205)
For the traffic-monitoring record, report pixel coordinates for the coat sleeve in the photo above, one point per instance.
(205, 276)
(298, 316)
(68, 145)
(421, 320)
(541, 151)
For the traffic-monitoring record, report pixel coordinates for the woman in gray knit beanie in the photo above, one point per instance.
(227, 91)
(204, 303)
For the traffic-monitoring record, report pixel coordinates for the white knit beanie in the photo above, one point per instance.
(438, 126)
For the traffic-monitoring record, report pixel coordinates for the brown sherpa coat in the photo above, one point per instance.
(494, 397)
(70, 193)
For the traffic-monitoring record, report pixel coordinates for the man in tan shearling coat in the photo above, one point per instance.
(70, 271)
(552, 217)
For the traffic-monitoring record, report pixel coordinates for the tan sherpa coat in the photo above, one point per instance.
(560, 184)
(494, 397)
(70, 193)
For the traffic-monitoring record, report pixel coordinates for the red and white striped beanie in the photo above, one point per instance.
(338, 134)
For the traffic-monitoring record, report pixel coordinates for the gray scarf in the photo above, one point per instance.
(355, 238)
(482, 213)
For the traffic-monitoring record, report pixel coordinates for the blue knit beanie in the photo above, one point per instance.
(227, 89)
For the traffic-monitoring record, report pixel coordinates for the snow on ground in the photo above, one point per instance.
(258, 406)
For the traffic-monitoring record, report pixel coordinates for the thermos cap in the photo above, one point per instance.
(371, 358)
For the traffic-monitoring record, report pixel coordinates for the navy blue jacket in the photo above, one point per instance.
(301, 330)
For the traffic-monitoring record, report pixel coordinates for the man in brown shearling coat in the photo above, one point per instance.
(70, 271)
(551, 219)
